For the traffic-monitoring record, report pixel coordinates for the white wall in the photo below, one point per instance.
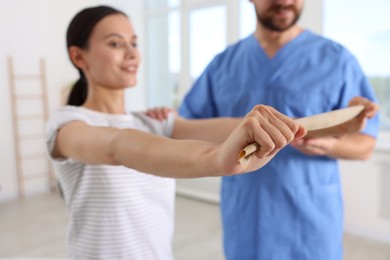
(31, 29)
(312, 15)
(367, 196)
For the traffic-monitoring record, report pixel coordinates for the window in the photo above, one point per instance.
(182, 37)
(206, 39)
(157, 4)
(365, 30)
(181, 41)
(163, 58)
(247, 18)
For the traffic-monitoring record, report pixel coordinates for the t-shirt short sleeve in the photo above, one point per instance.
(135, 120)
(62, 117)
(357, 84)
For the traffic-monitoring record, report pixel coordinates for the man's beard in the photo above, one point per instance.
(267, 20)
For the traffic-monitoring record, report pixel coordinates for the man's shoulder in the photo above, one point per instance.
(240, 45)
(233, 51)
(326, 45)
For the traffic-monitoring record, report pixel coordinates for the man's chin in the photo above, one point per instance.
(279, 28)
(281, 25)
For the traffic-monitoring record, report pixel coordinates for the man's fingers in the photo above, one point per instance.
(300, 133)
(159, 113)
(370, 109)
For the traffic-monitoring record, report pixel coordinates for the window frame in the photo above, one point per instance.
(185, 7)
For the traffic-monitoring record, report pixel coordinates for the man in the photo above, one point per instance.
(292, 208)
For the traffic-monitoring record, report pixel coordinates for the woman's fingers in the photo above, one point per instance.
(262, 137)
(262, 133)
(279, 119)
(278, 137)
(274, 130)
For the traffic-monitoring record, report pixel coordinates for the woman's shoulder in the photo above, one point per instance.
(68, 112)
(82, 113)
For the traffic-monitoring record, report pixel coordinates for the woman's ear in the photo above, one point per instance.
(76, 56)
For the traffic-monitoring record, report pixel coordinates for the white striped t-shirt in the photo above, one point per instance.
(115, 212)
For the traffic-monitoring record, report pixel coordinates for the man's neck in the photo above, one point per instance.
(273, 41)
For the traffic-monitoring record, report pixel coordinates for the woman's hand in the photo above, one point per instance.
(265, 126)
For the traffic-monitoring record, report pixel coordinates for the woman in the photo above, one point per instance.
(113, 166)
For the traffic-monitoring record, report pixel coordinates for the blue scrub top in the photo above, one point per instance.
(291, 209)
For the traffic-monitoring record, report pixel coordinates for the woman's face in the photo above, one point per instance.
(112, 58)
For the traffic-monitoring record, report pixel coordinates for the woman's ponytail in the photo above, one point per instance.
(79, 91)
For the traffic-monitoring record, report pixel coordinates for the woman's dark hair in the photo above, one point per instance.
(78, 34)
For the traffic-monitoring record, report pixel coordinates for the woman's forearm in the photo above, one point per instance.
(188, 158)
(163, 156)
(192, 158)
(214, 130)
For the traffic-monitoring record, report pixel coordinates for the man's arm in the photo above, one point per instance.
(349, 147)
(214, 130)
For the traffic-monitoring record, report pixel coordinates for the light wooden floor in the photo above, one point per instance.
(36, 228)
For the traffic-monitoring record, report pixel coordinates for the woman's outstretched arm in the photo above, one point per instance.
(180, 158)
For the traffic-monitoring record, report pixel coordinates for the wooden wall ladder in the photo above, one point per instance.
(18, 100)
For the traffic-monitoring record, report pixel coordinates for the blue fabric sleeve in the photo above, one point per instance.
(356, 84)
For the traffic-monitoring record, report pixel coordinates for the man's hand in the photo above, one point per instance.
(316, 146)
(160, 113)
(326, 145)
(358, 123)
